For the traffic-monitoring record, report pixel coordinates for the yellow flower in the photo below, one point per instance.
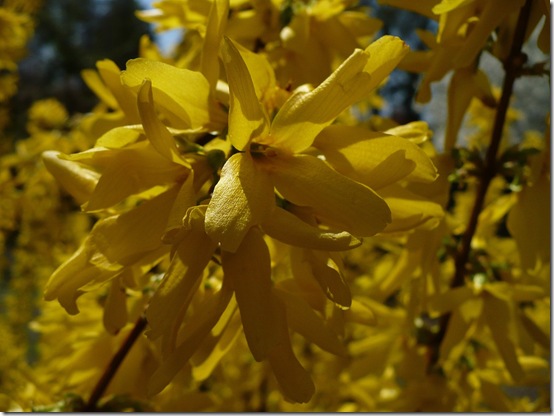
(325, 32)
(46, 115)
(270, 153)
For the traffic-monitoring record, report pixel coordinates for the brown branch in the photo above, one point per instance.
(114, 365)
(513, 67)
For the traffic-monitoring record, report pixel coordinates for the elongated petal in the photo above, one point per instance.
(491, 15)
(529, 223)
(115, 308)
(119, 137)
(330, 279)
(360, 313)
(183, 94)
(94, 82)
(155, 131)
(417, 131)
(129, 171)
(172, 298)
(456, 337)
(460, 93)
(246, 116)
(288, 228)
(261, 72)
(110, 74)
(304, 115)
(72, 275)
(72, 176)
(302, 319)
(294, 381)
(243, 197)
(373, 158)
(123, 239)
(201, 323)
(215, 27)
(410, 211)
(251, 281)
(223, 343)
(308, 181)
(184, 200)
(497, 314)
(446, 302)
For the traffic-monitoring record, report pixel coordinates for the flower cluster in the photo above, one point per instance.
(220, 178)
(281, 252)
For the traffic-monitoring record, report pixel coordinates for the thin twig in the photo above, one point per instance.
(114, 364)
(512, 66)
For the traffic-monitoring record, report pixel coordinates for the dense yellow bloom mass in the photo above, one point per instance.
(279, 253)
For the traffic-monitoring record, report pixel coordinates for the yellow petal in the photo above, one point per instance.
(460, 93)
(73, 274)
(535, 331)
(200, 325)
(456, 338)
(410, 211)
(329, 278)
(308, 181)
(529, 223)
(246, 116)
(498, 316)
(123, 239)
(223, 344)
(251, 281)
(172, 298)
(183, 94)
(490, 16)
(446, 6)
(115, 308)
(294, 381)
(361, 313)
(94, 82)
(373, 158)
(129, 171)
(288, 228)
(185, 199)
(302, 319)
(261, 72)
(119, 137)
(155, 131)
(494, 396)
(215, 27)
(304, 115)
(450, 300)
(75, 178)
(417, 131)
(125, 98)
(243, 197)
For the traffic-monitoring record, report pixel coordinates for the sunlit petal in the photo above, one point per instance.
(246, 116)
(308, 181)
(373, 158)
(155, 131)
(290, 229)
(251, 280)
(243, 197)
(304, 115)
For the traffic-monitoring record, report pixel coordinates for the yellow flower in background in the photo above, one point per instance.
(325, 32)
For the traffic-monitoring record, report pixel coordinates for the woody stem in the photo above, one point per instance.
(512, 67)
(114, 365)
